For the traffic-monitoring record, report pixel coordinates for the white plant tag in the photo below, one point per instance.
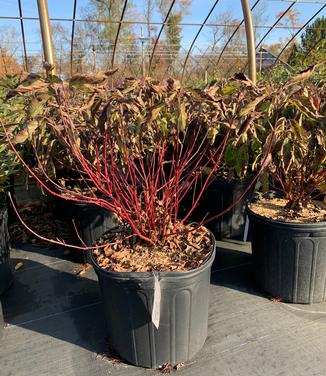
(156, 311)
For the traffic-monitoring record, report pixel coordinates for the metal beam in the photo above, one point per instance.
(233, 34)
(23, 34)
(46, 36)
(118, 32)
(151, 23)
(251, 50)
(270, 30)
(158, 36)
(296, 34)
(194, 40)
(322, 39)
(72, 38)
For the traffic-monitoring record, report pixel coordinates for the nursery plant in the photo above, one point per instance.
(242, 157)
(150, 146)
(289, 229)
(27, 104)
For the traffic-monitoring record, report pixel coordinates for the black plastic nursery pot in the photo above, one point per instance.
(6, 275)
(289, 258)
(91, 221)
(128, 301)
(219, 195)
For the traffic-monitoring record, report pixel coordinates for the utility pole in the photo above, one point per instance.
(46, 36)
(94, 58)
(143, 40)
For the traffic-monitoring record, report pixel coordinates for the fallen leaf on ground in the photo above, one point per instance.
(276, 299)
(83, 269)
(178, 366)
(165, 368)
(112, 358)
(19, 265)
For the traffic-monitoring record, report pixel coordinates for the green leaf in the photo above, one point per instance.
(228, 90)
(164, 126)
(182, 120)
(252, 105)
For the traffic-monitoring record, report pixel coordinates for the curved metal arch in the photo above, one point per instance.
(23, 34)
(159, 35)
(275, 23)
(197, 65)
(233, 34)
(271, 28)
(72, 37)
(313, 48)
(194, 40)
(118, 31)
(297, 33)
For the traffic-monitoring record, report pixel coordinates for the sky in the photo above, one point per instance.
(197, 13)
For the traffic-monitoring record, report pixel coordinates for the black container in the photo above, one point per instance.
(91, 221)
(219, 195)
(289, 258)
(128, 302)
(6, 275)
(2, 321)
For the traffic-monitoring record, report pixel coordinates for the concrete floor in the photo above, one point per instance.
(55, 324)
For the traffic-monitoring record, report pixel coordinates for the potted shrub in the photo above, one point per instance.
(289, 230)
(154, 268)
(5, 267)
(241, 160)
(33, 101)
(9, 165)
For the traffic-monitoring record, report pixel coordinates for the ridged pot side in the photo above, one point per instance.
(289, 258)
(128, 302)
(6, 275)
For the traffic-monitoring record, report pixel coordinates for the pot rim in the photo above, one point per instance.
(165, 274)
(301, 225)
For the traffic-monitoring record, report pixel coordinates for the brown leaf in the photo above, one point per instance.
(305, 74)
(19, 265)
(276, 299)
(178, 366)
(166, 368)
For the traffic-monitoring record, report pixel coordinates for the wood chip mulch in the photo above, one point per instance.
(275, 208)
(184, 251)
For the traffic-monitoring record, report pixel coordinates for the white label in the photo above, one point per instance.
(156, 311)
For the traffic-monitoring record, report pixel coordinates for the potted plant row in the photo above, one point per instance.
(26, 104)
(149, 148)
(289, 227)
(241, 159)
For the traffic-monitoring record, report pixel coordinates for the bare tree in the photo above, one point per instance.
(103, 34)
(259, 17)
(148, 15)
(291, 19)
(9, 50)
(173, 29)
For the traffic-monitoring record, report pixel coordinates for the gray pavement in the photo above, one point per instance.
(55, 324)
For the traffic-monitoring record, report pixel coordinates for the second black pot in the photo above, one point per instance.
(128, 301)
(91, 221)
(6, 275)
(219, 195)
(289, 259)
